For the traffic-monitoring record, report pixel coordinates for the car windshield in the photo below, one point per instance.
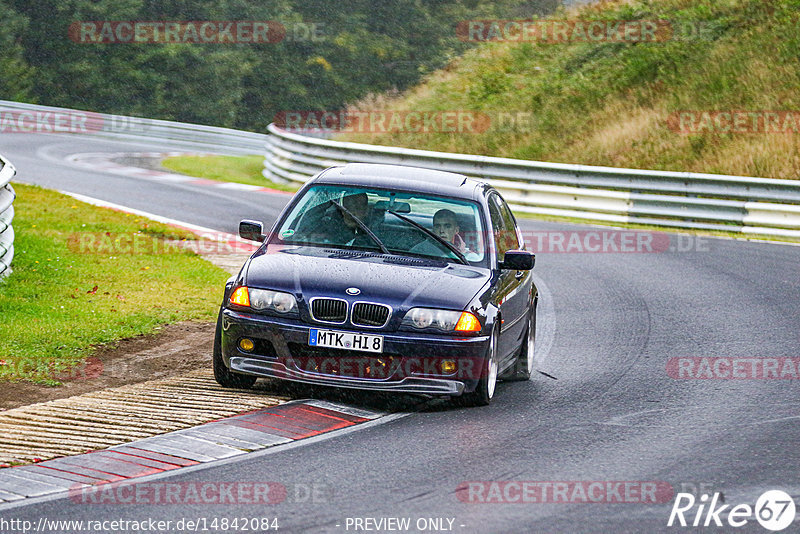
(400, 222)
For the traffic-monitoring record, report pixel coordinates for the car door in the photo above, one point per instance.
(512, 294)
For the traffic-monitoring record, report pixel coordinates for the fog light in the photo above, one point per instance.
(246, 344)
(448, 366)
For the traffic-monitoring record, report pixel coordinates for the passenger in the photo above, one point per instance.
(445, 225)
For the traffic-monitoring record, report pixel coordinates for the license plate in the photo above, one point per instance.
(345, 340)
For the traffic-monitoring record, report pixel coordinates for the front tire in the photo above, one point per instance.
(484, 392)
(523, 366)
(224, 376)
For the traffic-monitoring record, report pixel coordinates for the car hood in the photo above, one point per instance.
(395, 280)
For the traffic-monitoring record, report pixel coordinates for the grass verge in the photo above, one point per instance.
(238, 169)
(66, 295)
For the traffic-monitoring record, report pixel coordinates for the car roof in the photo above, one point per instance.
(401, 177)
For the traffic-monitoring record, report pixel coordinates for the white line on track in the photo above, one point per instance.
(158, 218)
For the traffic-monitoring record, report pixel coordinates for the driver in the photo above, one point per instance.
(340, 228)
(358, 205)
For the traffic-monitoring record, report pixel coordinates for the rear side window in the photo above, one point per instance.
(511, 225)
(503, 226)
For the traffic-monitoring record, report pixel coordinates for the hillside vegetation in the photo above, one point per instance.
(320, 55)
(620, 103)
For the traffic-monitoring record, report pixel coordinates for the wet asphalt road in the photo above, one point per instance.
(608, 325)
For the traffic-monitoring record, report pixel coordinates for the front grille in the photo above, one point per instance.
(329, 310)
(367, 314)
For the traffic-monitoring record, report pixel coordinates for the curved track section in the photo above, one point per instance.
(610, 323)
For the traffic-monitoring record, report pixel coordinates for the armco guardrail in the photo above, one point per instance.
(19, 116)
(7, 196)
(673, 199)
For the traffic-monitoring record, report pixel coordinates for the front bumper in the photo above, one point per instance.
(282, 353)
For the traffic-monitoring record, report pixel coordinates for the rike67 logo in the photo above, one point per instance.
(774, 510)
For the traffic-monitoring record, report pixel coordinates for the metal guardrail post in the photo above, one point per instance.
(7, 196)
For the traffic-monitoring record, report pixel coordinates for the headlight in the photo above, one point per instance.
(283, 302)
(445, 320)
(264, 300)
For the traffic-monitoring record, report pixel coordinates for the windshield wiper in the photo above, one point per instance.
(363, 226)
(427, 232)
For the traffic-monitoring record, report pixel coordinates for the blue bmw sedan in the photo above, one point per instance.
(383, 278)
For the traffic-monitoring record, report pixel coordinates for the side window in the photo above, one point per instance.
(505, 233)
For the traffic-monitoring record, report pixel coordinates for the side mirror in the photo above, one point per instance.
(252, 230)
(518, 260)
